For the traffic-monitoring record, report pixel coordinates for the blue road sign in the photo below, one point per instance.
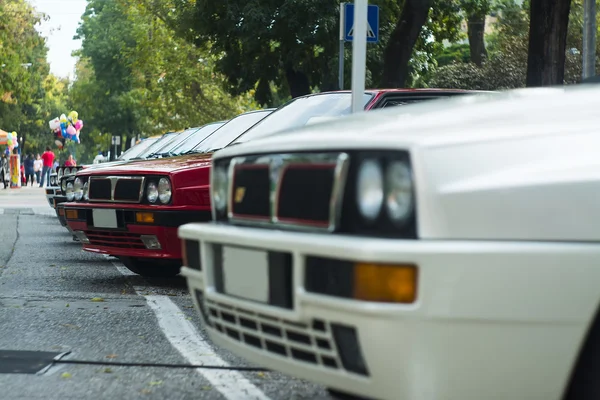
(372, 23)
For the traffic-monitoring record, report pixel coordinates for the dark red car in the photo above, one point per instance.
(132, 211)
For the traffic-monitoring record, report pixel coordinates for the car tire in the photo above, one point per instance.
(337, 395)
(584, 383)
(152, 268)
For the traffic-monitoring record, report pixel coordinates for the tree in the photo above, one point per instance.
(548, 26)
(476, 11)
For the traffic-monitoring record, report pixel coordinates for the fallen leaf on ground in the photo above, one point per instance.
(107, 370)
(156, 383)
(261, 375)
(97, 299)
(111, 356)
(206, 388)
(67, 305)
(63, 268)
(66, 375)
(145, 391)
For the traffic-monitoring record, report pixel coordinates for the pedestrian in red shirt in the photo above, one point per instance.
(48, 159)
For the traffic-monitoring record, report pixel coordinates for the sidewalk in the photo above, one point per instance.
(27, 197)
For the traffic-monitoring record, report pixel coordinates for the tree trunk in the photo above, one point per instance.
(549, 20)
(298, 82)
(402, 41)
(475, 32)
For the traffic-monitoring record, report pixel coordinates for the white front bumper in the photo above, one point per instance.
(50, 197)
(493, 320)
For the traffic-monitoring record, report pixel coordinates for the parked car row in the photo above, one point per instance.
(445, 249)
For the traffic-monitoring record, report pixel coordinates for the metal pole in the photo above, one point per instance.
(359, 55)
(341, 52)
(589, 38)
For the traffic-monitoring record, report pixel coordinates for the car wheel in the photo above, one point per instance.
(584, 384)
(152, 268)
(337, 395)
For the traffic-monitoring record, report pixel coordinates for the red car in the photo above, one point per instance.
(132, 211)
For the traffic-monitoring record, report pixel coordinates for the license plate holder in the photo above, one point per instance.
(246, 273)
(105, 218)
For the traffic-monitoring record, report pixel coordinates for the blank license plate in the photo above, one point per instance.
(105, 218)
(246, 273)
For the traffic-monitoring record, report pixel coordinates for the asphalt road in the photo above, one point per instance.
(56, 298)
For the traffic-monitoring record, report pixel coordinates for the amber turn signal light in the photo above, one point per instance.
(144, 217)
(385, 283)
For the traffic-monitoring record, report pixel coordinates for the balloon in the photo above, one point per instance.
(9, 142)
(58, 143)
(16, 144)
(63, 132)
(71, 130)
(73, 116)
(75, 138)
(14, 135)
(63, 118)
(55, 123)
(78, 125)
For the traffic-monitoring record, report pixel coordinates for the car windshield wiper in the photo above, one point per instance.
(189, 152)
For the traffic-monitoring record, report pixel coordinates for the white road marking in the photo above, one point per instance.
(184, 337)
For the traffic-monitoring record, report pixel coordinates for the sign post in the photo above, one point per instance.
(116, 140)
(357, 17)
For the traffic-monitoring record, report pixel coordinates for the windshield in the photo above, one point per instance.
(164, 139)
(167, 147)
(302, 111)
(137, 149)
(229, 131)
(198, 137)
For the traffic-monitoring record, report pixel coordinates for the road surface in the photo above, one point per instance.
(56, 298)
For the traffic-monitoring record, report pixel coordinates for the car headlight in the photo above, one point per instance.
(52, 181)
(70, 192)
(86, 195)
(152, 192)
(67, 171)
(219, 188)
(164, 190)
(78, 189)
(399, 199)
(63, 185)
(59, 172)
(369, 189)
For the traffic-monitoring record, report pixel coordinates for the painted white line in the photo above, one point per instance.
(184, 337)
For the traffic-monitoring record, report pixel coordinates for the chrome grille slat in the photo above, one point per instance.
(114, 180)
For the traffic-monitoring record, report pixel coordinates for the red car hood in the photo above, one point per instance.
(158, 166)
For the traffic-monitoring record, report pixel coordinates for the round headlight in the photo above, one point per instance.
(63, 185)
(219, 188)
(59, 172)
(52, 181)
(78, 189)
(86, 195)
(164, 190)
(399, 192)
(67, 171)
(70, 193)
(152, 192)
(369, 189)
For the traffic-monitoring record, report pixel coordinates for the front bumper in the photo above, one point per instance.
(131, 238)
(50, 193)
(59, 208)
(492, 320)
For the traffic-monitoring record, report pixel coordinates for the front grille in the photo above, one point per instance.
(295, 205)
(120, 189)
(115, 239)
(250, 197)
(100, 189)
(298, 190)
(311, 344)
(128, 190)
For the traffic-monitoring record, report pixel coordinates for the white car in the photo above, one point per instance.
(438, 251)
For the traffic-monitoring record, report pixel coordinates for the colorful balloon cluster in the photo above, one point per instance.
(11, 141)
(67, 127)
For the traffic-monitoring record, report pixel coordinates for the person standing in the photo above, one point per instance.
(38, 164)
(70, 161)
(48, 160)
(29, 161)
